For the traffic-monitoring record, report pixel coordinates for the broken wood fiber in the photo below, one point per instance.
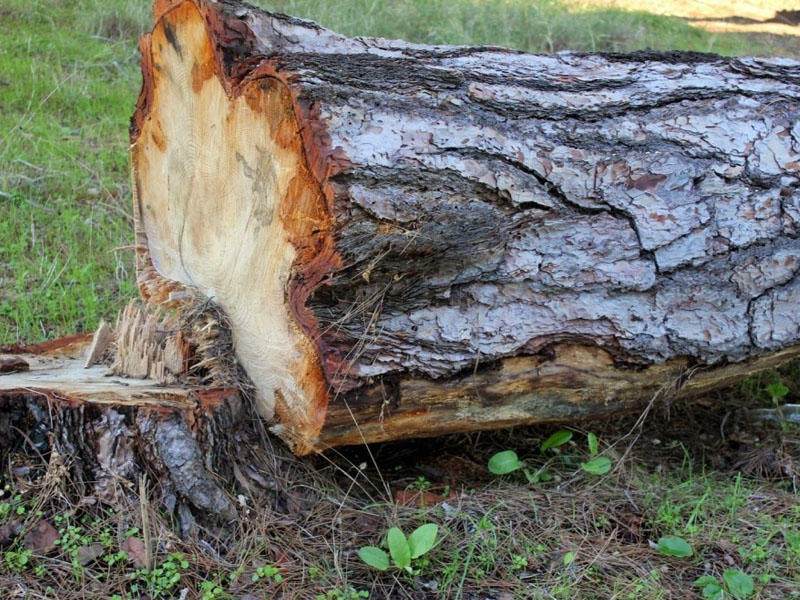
(413, 240)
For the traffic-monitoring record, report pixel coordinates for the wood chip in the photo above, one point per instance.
(100, 342)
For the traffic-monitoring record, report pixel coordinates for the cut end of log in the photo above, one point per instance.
(223, 193)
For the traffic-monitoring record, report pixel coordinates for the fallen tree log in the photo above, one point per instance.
(413, 240)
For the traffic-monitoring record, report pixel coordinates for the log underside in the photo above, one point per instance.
(413, 240)
(566, 384)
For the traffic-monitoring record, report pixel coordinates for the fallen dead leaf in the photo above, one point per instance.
(42, 538)
(134, 548)
(8, 532)
(420, 498)
(282, 559)
(364, 522)
(87, 554)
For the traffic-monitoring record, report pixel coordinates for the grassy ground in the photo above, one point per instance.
(68, 82)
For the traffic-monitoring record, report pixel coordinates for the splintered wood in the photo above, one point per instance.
(109, 428)
(63, 375)
(149, 346)
(101, 346)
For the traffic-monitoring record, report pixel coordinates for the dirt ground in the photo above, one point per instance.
(779, 17)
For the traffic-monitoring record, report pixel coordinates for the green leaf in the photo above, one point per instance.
(705, 580)
(568, 558)
(739, 584)
(374, 557)
(422, 539)
(674, 546)
(599, 465)
(777, 390)
(594, 446)
(505, 462)
(713, 591)
(398, 548)
(559, 438)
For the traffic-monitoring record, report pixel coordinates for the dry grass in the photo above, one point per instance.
(720, 16)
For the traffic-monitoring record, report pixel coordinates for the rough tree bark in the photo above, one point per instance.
(412, 240)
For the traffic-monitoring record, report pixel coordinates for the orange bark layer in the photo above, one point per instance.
(66, 345)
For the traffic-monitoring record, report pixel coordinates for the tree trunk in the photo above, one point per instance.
(412, 240)
(105, 431)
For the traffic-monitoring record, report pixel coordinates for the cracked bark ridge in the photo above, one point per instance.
(427, 239)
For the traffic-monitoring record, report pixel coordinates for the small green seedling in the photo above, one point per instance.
(212, 590)
(421, 484)
(164, 577)
(594, 445)
(674, 546)
(777, 392)
(712, 588)
(559, 438)
(734, 583)
(402, 549)
(599, 465)
(505, 462)
(267, 572)
(17, 560)
(348, 593)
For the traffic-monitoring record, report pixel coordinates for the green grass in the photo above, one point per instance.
(530, 25)
(68, 83)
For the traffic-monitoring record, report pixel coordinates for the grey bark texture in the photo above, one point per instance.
(494, 202)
